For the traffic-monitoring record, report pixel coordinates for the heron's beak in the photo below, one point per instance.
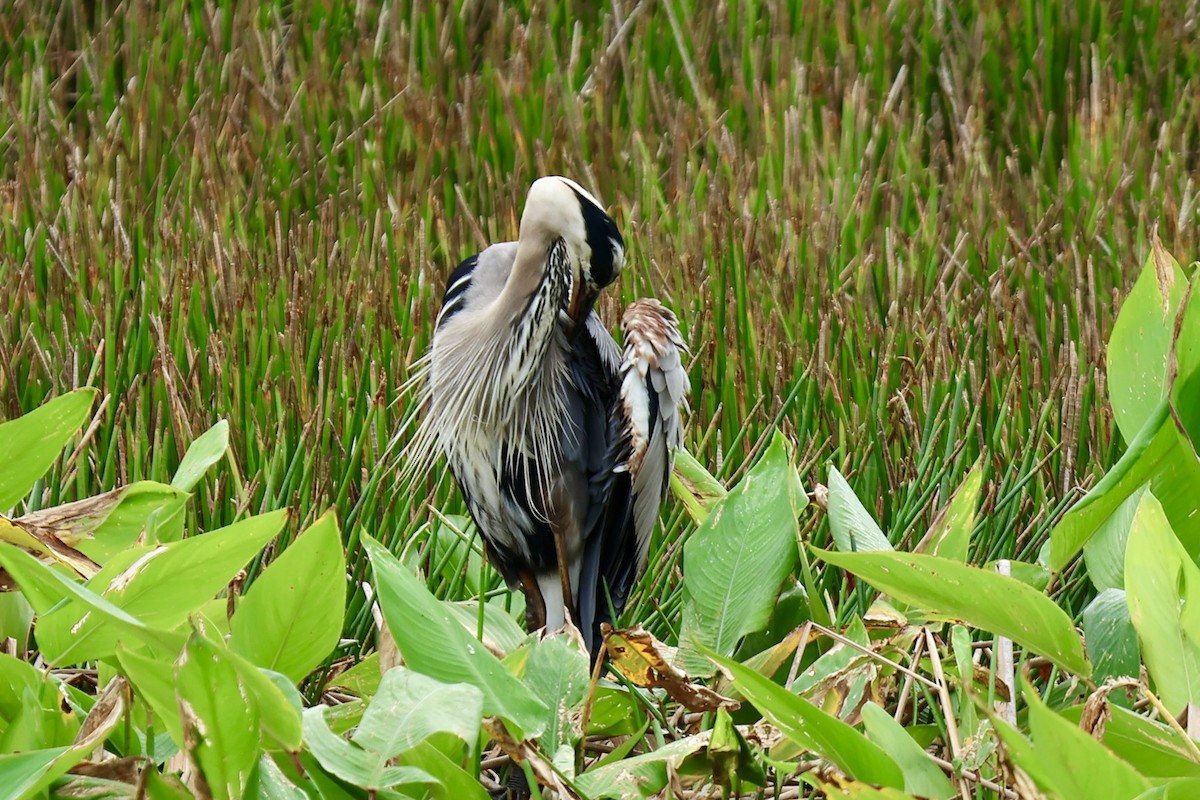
(580, 303)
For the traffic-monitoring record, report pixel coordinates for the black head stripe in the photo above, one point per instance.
(456, 287)
(602, 233)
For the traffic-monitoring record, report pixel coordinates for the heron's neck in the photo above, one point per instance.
(531, 267)
(526, 312)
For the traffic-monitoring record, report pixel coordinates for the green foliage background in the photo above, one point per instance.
(897, 229)
(897, 232)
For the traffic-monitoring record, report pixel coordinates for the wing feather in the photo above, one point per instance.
(654, 390)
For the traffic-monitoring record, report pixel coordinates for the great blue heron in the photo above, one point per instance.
(561, 444)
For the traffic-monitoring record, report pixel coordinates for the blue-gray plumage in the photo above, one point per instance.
(560, 442)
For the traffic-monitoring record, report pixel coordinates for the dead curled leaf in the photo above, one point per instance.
(527, 753)
(47, 543)
(127, 769)
(1164, 269)
(647, 662)
(1097, 711)
(106, 712)
(819, 496)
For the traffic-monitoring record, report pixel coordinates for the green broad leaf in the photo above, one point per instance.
(615, 712)
(24, 774)
(853, 790)
(1163, 587)
(162, 585)
(45, 587)
(558, 672)
(273, 784)
(454, 782)
(1154, 749)
(165, 787)
(458, 552)
(153, 681)
(922, 776)
(1032, 575)
(410, 708)
(108, 524)
(344, 717)
(1177, 789)
(646, 775)
(501, 632)
(694, 486)
(1020, 751)
(836, 667)
(20, 680)
(1140, 343)
(622, 750)
(1072, 763)
(279, 704)
(852, 526)
(814, 730)
(351, 763)
(978, 597)
(207, 449)
(72, 787)
(16, 618)
(1104, 553)
(324, 784)
(435, 644)
(34, 441)
(734, 565)
(1111, 640)
(1185, 387)
(950, 534)
(37, 767)
(733, 762)
(219, 718)
(362, 679)
(960, 644)
(1162, 454)
(291, 618)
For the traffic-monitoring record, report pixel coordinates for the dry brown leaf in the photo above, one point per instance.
(1097, 711)
(106, 712)
(125, 770)
(74, 522)
(647, 662)
(982, 676)
(525, 753)
(45, 543)
(389, 654)
(1164, 268)
(819, 496)
(1192, 722)
(883, 616)
(1096, 714)
(1014, 777)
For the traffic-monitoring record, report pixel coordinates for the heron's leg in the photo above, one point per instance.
(564, 572)
(535, 604)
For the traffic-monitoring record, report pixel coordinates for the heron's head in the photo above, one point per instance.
(559, 208)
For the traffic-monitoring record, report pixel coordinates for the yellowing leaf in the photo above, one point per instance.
(43, 543)
(647, 662)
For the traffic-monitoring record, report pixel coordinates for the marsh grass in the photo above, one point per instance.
(898, 233)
